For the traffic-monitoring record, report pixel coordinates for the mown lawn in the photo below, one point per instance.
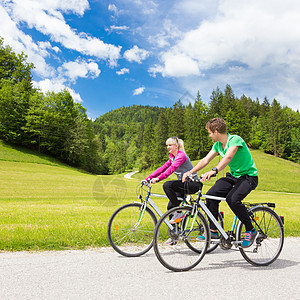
(47, 205)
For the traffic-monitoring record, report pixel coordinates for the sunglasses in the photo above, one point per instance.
(175, 138)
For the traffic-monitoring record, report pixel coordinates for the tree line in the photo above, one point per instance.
(50, 123)
(134, 136)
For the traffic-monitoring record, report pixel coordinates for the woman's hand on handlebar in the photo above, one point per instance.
(154, 180)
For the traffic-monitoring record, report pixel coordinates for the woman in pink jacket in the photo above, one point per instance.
(178, 163)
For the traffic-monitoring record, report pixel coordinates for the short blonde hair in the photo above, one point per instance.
(176, 141)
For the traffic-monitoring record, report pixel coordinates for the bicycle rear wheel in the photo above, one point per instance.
(179, 254)
(269, 242)
(129, 233)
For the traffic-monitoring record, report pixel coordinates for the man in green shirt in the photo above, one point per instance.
(237, 184)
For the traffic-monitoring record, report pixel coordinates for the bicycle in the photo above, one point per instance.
(180, 255)
(130, 228)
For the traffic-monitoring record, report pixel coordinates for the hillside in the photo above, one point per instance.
(133, 113)
(48, 205)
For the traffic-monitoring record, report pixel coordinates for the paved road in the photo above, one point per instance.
(103, 274)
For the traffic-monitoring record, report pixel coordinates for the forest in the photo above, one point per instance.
(134, 136)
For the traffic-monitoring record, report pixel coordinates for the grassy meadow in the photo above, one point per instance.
(47, 205)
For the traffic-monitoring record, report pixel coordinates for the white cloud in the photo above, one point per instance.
(113, 8)
(123, 71)
(146, 7)
(69, 72)
(46, 17)
(177, 65)
(56, 86)
(19, 41)
(254, 35)
(74, 69)
(136, 54)
(253, 46)
(139, 91)
(56, 49)
(167, 35)
(117, 29)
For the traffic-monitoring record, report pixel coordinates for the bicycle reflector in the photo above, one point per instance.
(282, 219)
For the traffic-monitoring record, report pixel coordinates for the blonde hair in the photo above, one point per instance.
(176, 141)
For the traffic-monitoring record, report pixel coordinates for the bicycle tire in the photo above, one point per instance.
(179, 256)
(127, 239)
(268, 244)
(214, 243)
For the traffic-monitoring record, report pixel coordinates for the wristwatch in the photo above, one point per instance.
(215, 169)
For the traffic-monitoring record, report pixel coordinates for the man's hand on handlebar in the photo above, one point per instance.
(208, 175)
(186, 176)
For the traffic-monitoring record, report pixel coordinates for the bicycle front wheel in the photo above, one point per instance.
(130, 232)
(175, 245)
(269, 241)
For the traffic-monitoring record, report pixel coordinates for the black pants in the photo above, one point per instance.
(235, 190)
(177, 188)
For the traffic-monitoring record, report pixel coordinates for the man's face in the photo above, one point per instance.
(213, 135)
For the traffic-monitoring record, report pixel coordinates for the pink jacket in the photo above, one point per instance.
(169, 167)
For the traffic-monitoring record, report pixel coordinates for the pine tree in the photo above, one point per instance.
(216, 103)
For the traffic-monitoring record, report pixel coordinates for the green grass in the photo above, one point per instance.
(47, 205)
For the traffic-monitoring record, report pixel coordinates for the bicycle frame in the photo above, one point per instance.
(200, 203)
(153, 205)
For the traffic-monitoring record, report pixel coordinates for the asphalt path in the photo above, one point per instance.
(104, 274)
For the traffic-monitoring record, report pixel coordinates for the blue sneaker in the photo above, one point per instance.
(213, 235)
(249, 238)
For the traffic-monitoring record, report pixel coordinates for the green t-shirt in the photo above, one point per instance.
(242, 163)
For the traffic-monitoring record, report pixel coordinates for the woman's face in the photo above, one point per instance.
(172, 148)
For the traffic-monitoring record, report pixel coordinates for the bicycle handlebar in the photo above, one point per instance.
(191, 178)
(146, 182)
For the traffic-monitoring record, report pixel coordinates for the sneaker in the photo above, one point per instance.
(170, 242)
(213, 235)
(177, 217)
(249, 238)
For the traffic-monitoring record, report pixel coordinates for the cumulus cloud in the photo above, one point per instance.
(136, 54)
(21, 42)
(177, 65)
(75, 69)
(68, 73)
(253, 35)
(252, 46)
(56, 85)
(46, 16)
(139, 91)
(123, 71)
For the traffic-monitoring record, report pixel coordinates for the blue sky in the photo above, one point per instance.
(117, 53)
